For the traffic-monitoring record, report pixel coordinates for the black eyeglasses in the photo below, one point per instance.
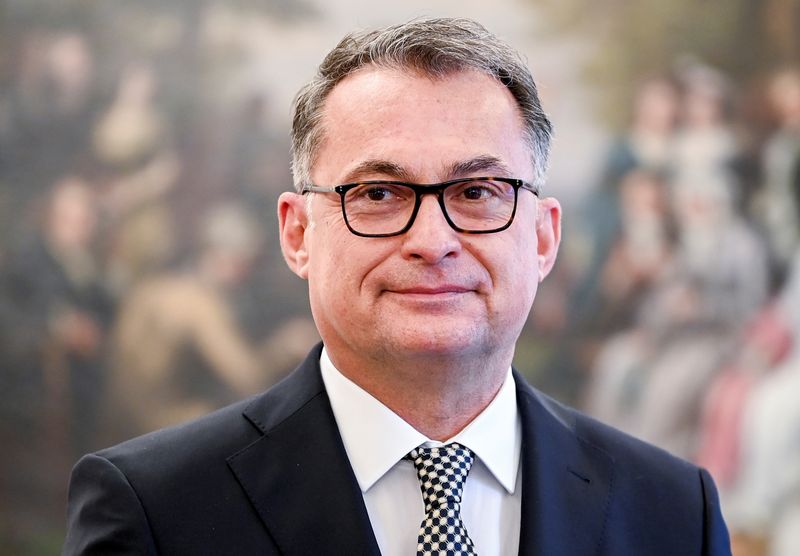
(384, 208)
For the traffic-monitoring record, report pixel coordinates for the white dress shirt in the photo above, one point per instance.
(376, 440)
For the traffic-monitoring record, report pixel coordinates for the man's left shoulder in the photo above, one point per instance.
(652, 501)
(639, 472)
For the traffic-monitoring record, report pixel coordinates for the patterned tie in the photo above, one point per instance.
(442, 472)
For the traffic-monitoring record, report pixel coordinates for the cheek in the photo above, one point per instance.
(329, 285)
(520, 274)
(341, 263)
(522, 284)
(522, 295)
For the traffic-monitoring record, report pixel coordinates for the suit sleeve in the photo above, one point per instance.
(716, 541)
(104, 514)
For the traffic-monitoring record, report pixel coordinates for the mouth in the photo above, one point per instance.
(440, 290)
(432, 298)
(437, 298)
(430, 290)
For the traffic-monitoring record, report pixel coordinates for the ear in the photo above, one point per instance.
(548, 232)
(293, 222)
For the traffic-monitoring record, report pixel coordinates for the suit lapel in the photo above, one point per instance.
(566, 482)
(298, 476)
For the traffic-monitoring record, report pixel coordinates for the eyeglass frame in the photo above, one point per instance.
(421, 189)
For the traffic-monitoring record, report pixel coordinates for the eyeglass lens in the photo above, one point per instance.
(471, 206)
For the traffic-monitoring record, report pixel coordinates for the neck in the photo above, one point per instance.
(437, 395)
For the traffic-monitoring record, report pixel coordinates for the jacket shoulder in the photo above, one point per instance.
(218, 435)
(622, 448)
(657, 503)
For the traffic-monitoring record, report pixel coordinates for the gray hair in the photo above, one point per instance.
(435, 47)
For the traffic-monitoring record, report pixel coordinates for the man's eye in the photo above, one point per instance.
(378, 193)
(477, 192)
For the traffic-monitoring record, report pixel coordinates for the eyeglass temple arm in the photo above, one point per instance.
(534, 188)
(317, 189)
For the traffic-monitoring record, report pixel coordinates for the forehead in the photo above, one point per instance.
(419, 121)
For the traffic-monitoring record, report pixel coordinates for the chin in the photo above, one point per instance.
(439, 343)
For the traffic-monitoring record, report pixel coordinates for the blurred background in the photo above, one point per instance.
(143, 146)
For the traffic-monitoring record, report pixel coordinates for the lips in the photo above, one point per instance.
(431, 290)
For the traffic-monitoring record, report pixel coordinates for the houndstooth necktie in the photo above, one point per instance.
(442, 472)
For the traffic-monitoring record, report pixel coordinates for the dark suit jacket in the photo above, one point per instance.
(270, 475)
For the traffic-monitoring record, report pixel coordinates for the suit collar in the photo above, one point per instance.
(297, 475)
(566, 481)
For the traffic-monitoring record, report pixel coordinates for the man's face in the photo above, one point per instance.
(431, 291)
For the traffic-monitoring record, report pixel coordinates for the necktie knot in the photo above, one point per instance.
(442, 471)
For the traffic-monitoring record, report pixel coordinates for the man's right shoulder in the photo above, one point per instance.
(219, 435)
(185, 489)
(222, 432)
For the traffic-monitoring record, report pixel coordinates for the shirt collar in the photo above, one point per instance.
(376, 438)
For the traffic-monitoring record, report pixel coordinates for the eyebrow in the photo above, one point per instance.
(483, 163)
(377, 166)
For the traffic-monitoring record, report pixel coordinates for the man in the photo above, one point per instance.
(421, 274)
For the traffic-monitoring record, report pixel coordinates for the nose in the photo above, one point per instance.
(430, 238)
